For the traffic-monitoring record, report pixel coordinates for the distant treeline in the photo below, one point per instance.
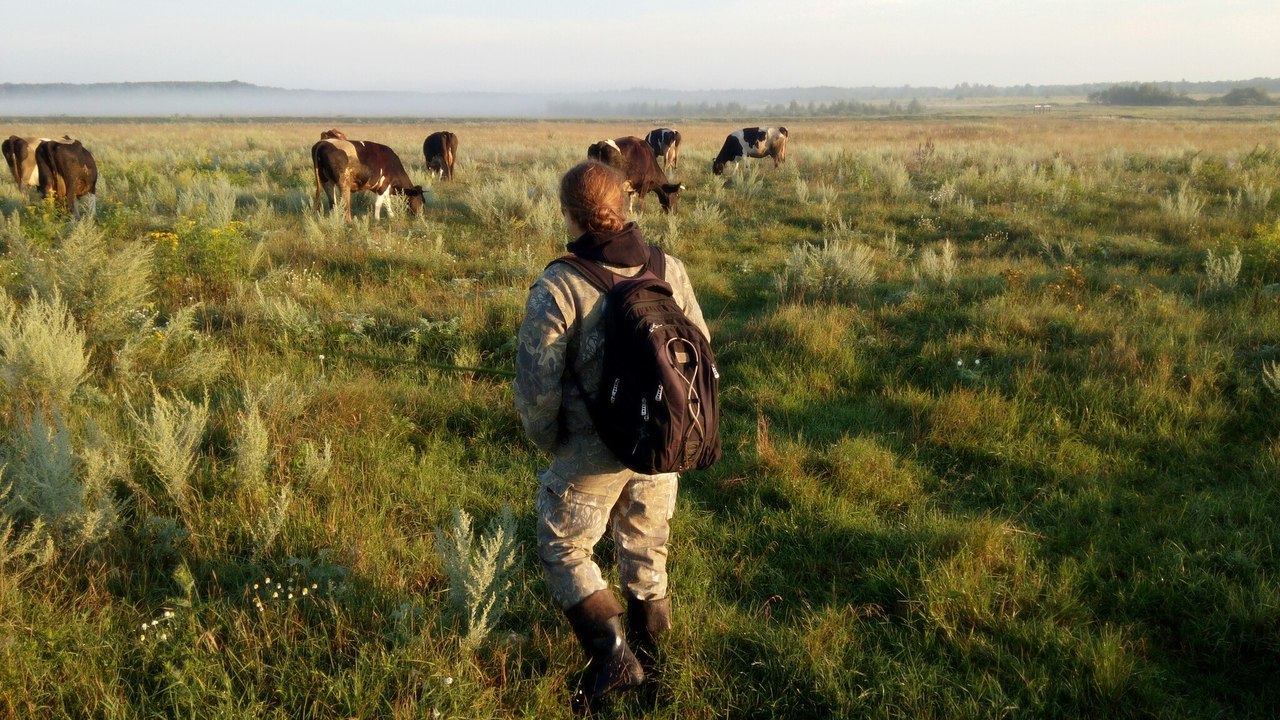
(159, 99)
(1153, 94)
(840, 108)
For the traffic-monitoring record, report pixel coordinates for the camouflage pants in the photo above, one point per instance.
(574, 510)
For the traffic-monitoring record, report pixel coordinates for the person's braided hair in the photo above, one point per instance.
(593, 195)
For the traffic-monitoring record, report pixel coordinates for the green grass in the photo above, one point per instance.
(1045, 488)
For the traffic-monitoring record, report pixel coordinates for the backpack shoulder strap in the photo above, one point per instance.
(603, 279)
(657, 263)
(596, 274)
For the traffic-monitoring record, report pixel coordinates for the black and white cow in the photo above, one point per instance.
(633, 157)
(347, 166)
(755, 142)
(665, 143)
(441, 150)
(67, 172)
(20, 157)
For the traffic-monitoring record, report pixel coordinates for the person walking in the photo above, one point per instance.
(586, 489)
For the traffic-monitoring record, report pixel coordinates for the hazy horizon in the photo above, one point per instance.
(576, 46)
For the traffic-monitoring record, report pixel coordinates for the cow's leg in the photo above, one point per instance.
(346, 200)
(61, 193)
(320, 194)
(328, 198)
(381, 198)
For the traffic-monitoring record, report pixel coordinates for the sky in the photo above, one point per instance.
(577, 45)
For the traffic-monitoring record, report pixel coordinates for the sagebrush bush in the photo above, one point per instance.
(102, 286)
(1271, 377)
(170, 435)
(503, 200)
(215, 200)
(22, 553)
(1183, 206)
(42, 351)
(50, 482)
(267, 526)
(285, 317)
(938, 268)
(251, 446)
(479, 571)
(174, 356)
(891, 176)
(1221, 273)
(826, 272)
(315, 461)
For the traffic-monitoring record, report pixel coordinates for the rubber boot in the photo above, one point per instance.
(611, 665)
(647, 621)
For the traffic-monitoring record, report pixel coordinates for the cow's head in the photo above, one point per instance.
(416, 199)
(717, 167)
(669, 195)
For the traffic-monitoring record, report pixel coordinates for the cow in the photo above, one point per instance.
(67, 172)
(20, 157)
(665, 143)
(635, 160)
(354, 166)
(607, 152)
(333, 134)
(441, 150)
(756, 142)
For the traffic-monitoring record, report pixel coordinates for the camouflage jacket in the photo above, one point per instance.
(562, 329)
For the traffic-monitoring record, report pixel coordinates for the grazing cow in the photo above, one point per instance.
(633, 157)
(756, 142)
(441, 149)
(666, 144)
(607, 152)
(360, 165)
(20, 156)
(68, 173)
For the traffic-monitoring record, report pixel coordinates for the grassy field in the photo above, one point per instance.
(1000, 402)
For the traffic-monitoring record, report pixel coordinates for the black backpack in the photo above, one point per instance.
(658, 405)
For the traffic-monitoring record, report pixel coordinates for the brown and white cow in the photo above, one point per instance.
(441, 149)
(333, 134)
(665, 143)
(20, 157)
(67, 173)
(354, 166)
(756, 142)
(633, 157)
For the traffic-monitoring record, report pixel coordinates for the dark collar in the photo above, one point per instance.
(625, 248)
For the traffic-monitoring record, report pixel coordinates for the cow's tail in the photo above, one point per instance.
(315, 167)
(448, 155)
